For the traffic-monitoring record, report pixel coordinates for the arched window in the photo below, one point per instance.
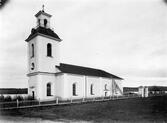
(48, 90)
(91, 89)
(49, 50)
(32, 48)
(74, 91)
(39, 22)
(45, 22)
(105, 87)
(32, 66)
(105, 93)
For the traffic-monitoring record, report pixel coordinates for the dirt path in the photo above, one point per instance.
(10, 119)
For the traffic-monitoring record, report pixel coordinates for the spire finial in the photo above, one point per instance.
(43, 7)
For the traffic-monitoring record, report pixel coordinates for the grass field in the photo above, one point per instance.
(152, 109)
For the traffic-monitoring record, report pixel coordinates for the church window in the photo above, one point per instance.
(32, 47)
(32, 66)
(74, 87)
(49, 50)
(91, 89)
(33, 94)
(105, 87)
(49, 89)
(105, 94)
(45, 22)
(39, 22)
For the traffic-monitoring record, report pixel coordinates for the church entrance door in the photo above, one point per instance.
(33, 94)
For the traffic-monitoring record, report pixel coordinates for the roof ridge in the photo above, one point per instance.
(74, 69)
(81, 66)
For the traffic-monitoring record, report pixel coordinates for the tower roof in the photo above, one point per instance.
(47, 32)
(43, 12)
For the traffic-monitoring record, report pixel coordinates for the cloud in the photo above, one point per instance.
(126, 38)
(162, 51)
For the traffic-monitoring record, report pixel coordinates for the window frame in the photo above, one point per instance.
(105, 87)
(45, 22)
(49, 50)
(92, 89)
(74, 89)
(48, 89)
(32, 51)
(32, 66)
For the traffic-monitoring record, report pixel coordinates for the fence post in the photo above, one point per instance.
(83, 99)
(93, 98)
(57, 100)
(17, 103)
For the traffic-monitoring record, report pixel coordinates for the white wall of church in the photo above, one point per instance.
(42, 54)
(119, 83)
(59, 86)
(41, 61)
(95, 81)
(42, 17)
(83, 86)
(30, 58)
(106, 85)
(43, 81)
(38, 84)
(69, 80)
(33, 86)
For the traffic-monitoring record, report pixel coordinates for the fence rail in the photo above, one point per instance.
(57, 101)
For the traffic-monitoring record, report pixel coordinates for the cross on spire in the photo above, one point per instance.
(43, 8)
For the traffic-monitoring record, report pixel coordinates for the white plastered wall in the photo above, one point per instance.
(69, 79)
(42, 17)
(108, 90)
(30, 58)
(59, 86)
(45, 63)
(44, 79)
(119, 83)
(83, 86)
(33, 86)
(41, 61)
(96, 86)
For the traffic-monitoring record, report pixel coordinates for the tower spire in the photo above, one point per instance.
(43, 8)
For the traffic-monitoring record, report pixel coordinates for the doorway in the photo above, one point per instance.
(105, 94)
(33, 94)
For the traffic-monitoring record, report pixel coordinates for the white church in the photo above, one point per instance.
(50, 79)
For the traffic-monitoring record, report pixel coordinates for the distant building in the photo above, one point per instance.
(143, 91)
(51, 79)
(130, 90)
(146, 91)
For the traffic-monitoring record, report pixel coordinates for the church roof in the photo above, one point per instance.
(67, 68)
(43, 31)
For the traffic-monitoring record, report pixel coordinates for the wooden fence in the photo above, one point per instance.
(57, 101)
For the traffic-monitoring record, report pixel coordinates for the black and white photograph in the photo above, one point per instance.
(83, 61)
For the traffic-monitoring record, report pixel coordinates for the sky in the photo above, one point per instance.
(127, 38)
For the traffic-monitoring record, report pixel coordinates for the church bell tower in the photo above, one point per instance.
(43, 54)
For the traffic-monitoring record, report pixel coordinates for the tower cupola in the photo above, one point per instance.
(43, 18)
(43, 27)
